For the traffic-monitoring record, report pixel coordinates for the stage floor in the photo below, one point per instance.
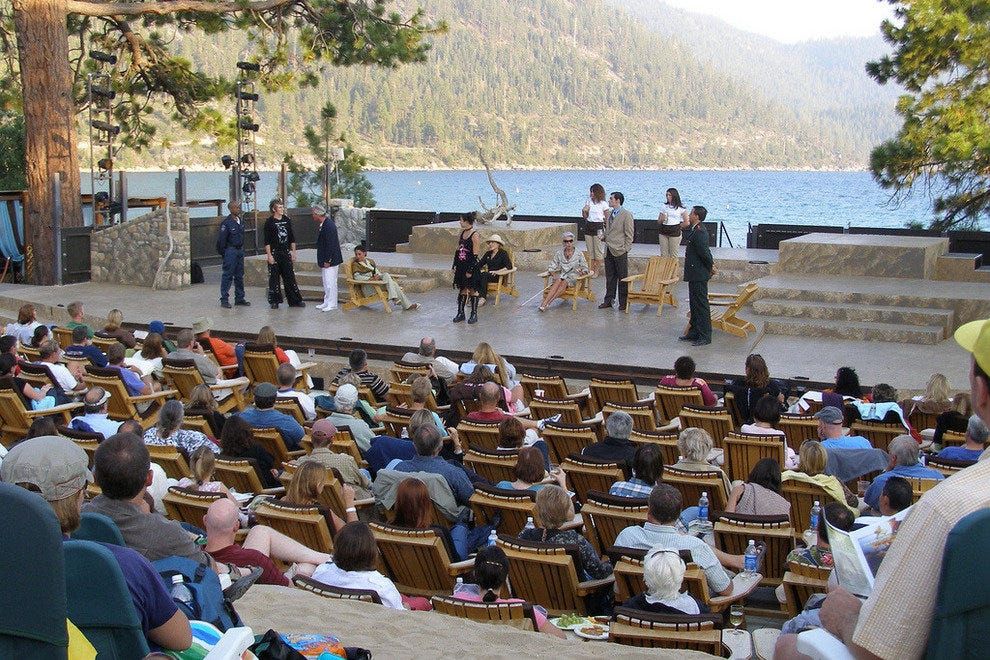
(517, 329)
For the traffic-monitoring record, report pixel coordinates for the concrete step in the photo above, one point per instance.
(841, 312)
(403, 248)
(854, 330)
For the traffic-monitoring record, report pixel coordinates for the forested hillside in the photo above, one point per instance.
(558, 83)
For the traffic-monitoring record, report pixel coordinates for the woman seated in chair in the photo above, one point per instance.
(647, 469)
(355, 564)
(495, 259)
(812, 458)
(113, 328)
(766, 416)
(567, 265)
(149, 358)
(663, 572)
(202, 404)
(202, 466)
(236, 442)
(513, 435)
(38, 398)
(753, 387)
(503, 371)
(695, 446)
(882, 408)
(266, 337)
(364, 269)
(760, 494)
(531, 473)
(683, 376)
(42, 333)
(491, 568)
(169, 433)
(305, 488)
(414, 510)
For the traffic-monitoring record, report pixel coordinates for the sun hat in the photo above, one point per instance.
(55, 465)
(975, 338)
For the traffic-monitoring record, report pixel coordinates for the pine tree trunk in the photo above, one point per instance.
(50, 129)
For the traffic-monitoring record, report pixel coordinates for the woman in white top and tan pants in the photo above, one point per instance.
(594, 229)
(672, 215)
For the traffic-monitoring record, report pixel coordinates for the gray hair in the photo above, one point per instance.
(904, 449)
(663, 573)
(427, 346)
(695, 444)
(976, 430)
(170, 417)
(567, 234)
(619, 425)
(427, 440)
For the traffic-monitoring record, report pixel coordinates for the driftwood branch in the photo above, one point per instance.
(503, 207)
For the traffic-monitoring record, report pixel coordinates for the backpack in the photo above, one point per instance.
(196, 273)
(209, 603)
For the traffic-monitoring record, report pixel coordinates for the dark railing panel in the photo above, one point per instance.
(387, 228)
(76, 254)
(971, 242)
(769, 236)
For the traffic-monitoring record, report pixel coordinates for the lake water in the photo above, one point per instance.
(733, 197)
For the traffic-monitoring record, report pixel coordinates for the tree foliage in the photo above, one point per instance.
(348, 182)
(941, 57)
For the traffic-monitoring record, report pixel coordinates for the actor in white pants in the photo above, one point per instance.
(328, 256)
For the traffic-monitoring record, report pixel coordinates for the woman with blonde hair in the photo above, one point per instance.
(695, 445)
(113, 328)
(304, 491)
(505, 373)
(812, 458)
(202, 404)
(935, 400)
(663, 573)
(202, 466)
(554, 509)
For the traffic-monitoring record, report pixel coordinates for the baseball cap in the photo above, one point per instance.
(346, 395)
(829, 415)
(975, 338)
(156, 326)
(55, 465)
(265, 391)
(323, 429)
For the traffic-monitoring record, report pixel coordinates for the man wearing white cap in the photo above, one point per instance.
(343, 417)
(328, 256)
(95, 418)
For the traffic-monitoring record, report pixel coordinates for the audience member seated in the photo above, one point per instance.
(647, 469)
(491, 569)
(812, 458)
(956, 420)
(695, 446)
(883, 407)
(663, 573)
(371, 415)
(660, 532)
(896, 496)
(766, 416)
(236, 443)
(39, 398)
(343, 417)
(831, 433)
(358, 362)
(286, 376)
(27, 321)
(567, 265)
(365, 269)
(903, 463)
(489, 396)
(847, 384)
(846, 389)
(82, 347)
(202, 467)
(427, 354)
(386, 450)
(8, 346)
(760, 494)
(322, 435)
(56, 469)
(169, 433)
(531, 473)
(554, 509)
(113, 328)
(753, 387)
(261, 545)
(934, 401)
(202, 403)
(39, 427)
(158, 328)
(428, 443)
(41, 334)
(468, 388)
(94, 418)
(225, 354)
(513, 435)
(308, 482)
(355, 564)
(136, 386)
(502, 369)
(683, 376)
(149, 359)
(50, 353)
(76, 313)
(189, 349)
(616, 446)
(414, 510)
(420, 390)
(262, 415)
(976, 443)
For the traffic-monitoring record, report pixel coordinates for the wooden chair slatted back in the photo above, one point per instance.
(921, 486)
(604, 518)
(119, 407)
(400, 372)
(493, 466)
(291, 407)
(605, 390)
(239, 475)
(514, 506)
(953, 439)
(802, 496)
(344, 443)
(416, 560)
(743, 452)
(667, 442)
(544, 575)
(692, 484)
(483, 435)
(643, 414)
(197, 423)
(585, 476)
(797, 429)
(732, 536)
(517, 615)
(877, 433)
(170, 459)
(271, 440)
(307, 526)
(340, 593)
(399, 394)
(260, 363)
(699, 633)
(671, 398)
(800, 582)
(63, 336)
(187, 505)
(564, 439)
(717, 421)
(569, 411)
(553, 387)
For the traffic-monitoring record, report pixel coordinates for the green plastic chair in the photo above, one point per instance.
(99, 602)
(98, 527)
(33, 602)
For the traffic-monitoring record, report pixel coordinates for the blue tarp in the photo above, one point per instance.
(8, 240)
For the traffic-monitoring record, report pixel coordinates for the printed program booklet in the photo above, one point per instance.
(857, 554)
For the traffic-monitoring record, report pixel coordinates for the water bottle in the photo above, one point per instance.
(180, 592)
(922, 459)
(749, 558)
(703, 506)
(816, 510)
(492, 539)
(529, 523)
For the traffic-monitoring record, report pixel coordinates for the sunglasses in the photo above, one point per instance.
(568, 240)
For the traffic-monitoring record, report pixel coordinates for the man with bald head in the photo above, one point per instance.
(222, 521)
(488, 410)
(442, 367)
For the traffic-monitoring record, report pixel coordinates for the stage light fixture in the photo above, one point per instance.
(247, 159)
(248, 187)
(100, 56)
(102, 92)
(246, 96)
(252, 176)
(226, 161)
(249, 66)
(106, 127)
(247, 125)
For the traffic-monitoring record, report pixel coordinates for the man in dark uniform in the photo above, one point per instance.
(230, 246)
(328, 256)
(699, 266)
(280, 248)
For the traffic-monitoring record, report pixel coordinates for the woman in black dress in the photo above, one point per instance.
(496, 259)
(466, 273)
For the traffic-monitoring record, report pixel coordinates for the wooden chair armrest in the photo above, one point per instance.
(297, 453)
(585, 588)
(164, 394)
(522, 413)
(742, 586)
(360, 504)
(592, 421)
(648, 399)
(804, 581)
(228, 367)
(460, 567)
(633, 278)
(235, 382)
(65, 407)
(723, 295)
(545, 273)
(502, 271)
(369, 282)
(273, 491)
(442, 409)
(718, 303)
(672, 280)
(578, 396)
(581, 278)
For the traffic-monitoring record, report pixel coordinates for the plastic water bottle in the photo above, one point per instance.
(816, 511)
(703, 506)
(180, 592)
(492, 538)
(922, 459)
(749, 558)
(529, 523)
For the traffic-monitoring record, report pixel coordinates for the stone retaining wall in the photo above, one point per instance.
(132, 252)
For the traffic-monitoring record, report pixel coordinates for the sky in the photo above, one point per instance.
(796, 20)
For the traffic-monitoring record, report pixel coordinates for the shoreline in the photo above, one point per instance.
(520, 168)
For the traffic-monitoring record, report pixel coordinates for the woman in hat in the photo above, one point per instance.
(493, 263)
(567, 265)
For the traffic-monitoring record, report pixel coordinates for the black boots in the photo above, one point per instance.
(474, 310)
(461, 299)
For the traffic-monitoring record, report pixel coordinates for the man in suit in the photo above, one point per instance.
(230, 245)
(699, 266)
(619, 230)
(328, 256)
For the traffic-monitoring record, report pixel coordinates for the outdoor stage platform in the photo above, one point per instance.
(590, 341)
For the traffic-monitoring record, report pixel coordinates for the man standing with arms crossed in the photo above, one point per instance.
(328, 256)
(230, 246)
(699, 267)
(280, 248)
(619, 230)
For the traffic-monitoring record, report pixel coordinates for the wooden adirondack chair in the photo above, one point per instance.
(742, 452)
(667, 442)
(671, 398)
(700, 632)
(513, 505)
(504, 282)
(566, 439)
(800, 582)
(717, 421)
(644, 415)
(184, 376)
(122, 406)
(734, 530)
(692, 484)
(517, 615)
(587, 474)
(657, 284)
(16, 418)
(606, 515)
(340, 593)
(306, 525)
(797, 429)
(608, 390)
(379, 292)
(581, 288)
(417, 560)
(189, 505)
(554, 387)
(261, 363)
(878, 433)
(728, 320)
(494, 465)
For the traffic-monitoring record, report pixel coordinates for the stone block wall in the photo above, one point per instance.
(132, 252)
(350, 222)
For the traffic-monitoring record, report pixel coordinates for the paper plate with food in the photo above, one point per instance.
(571, 621)
(597, 631)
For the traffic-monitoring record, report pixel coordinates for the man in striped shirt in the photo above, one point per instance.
(359, 366)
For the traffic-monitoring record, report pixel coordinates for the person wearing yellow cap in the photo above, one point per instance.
(975, 338)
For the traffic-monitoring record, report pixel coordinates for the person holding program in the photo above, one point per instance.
(594, 227)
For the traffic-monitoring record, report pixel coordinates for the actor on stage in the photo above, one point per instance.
(230, 246)
(699, 267)
(280, 248)
(567, 265)
(493, 263)
(363, 268)
(619, 231)
(466, 273)
(328, 256)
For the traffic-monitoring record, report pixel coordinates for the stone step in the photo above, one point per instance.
(864, 296)
(841, 312)
(854, 330)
